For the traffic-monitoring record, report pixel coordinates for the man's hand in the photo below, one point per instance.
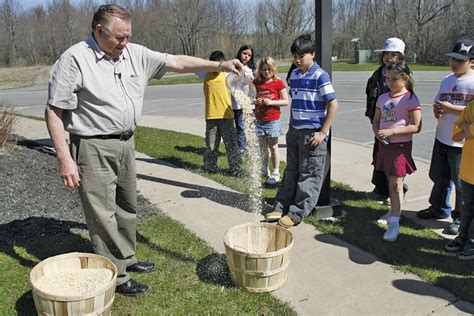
(69, 174)
(67, 167)
(233, 65)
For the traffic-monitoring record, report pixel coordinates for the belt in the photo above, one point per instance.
(123, 136)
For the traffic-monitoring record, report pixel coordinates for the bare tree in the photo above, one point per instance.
(10, 15)
(191, 19)
(279, 22)
(422, 16)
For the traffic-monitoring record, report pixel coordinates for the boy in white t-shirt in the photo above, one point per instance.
(455, 92)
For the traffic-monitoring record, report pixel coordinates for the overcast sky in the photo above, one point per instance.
(30, 3)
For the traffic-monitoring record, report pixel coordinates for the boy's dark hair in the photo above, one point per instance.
(251, 63)
(217, 55)
(303, 45)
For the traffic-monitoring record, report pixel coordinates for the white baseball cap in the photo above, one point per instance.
(392, 44)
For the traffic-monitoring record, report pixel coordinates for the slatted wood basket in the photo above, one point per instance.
(98, 302)
(258, 256)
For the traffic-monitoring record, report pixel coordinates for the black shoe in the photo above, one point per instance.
(141, 267)
(429, 213)
(132, 288)
(454, 245)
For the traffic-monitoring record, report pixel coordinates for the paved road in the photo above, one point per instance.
(187, 101)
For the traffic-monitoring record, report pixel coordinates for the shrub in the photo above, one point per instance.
(7, 121)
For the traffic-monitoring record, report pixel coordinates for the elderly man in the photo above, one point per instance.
(96, 93)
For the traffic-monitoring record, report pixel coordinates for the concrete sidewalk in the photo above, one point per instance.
(326, 275)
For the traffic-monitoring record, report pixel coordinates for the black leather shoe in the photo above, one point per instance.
(132, 288)
(141, 267)
(430, 213)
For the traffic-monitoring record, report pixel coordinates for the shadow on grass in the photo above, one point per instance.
(229, 198)
(40, 237)
(417, 250)
(25, 305)
(196, 150)
(213, 269)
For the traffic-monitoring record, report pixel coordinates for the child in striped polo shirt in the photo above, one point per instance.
(313, 108)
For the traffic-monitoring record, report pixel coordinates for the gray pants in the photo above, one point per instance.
(215, 130)
(109, 197)
(303, 177)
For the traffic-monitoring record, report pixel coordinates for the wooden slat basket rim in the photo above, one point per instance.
(254, 254)
(65, 298)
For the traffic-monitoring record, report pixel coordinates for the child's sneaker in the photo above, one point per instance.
(467, 254)
(273, 216)
(392, 233)
(384, 220)
(273, 179)
(286, 222)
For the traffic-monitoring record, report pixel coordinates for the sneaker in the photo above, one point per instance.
(467, 254)
(453, 228)
(392, 233)
(272, 216)
(265, 171)
(384, 220)
(273, 179)
(454, 246)
(286, 222)
(429, 213)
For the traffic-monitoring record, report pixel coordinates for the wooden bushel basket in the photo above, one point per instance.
(258, 256)
(94, 303)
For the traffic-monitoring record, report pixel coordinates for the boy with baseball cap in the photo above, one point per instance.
(455, 92)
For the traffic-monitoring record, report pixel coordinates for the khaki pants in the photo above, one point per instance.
(215, 130)
(109, 197)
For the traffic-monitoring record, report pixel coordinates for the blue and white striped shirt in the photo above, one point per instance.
(310, 93)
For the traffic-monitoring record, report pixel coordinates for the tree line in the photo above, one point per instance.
(38, 35)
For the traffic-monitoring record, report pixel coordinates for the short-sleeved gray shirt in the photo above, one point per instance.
(99, 95)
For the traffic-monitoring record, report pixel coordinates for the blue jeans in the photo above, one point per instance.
(467, 213)
(240, 129)
(303, 177)
(444, 171)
